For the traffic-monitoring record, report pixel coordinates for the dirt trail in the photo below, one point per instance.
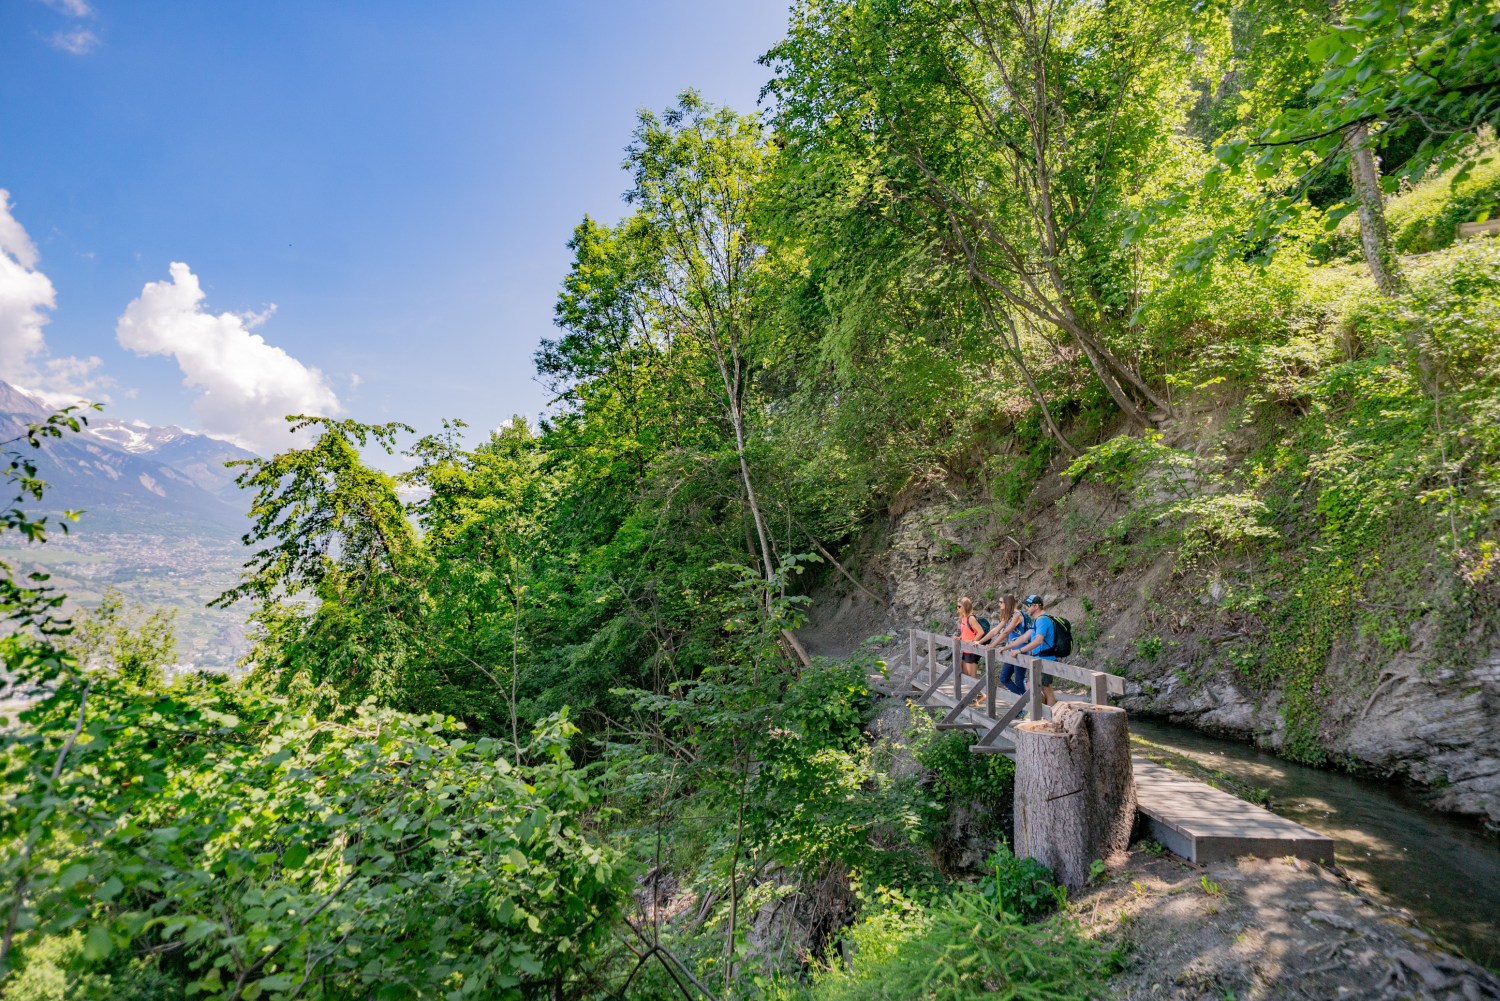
(1257, 930)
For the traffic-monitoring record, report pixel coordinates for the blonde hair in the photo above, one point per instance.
(966, 606)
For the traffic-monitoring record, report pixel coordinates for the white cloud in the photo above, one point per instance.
(64, 382)
(72, 8)
(248, 386)
(77, 42)
(26, 297)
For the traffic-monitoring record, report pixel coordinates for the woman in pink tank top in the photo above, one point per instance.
(968, 631)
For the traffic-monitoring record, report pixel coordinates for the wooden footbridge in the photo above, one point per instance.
(982, 704)
(1192, 818)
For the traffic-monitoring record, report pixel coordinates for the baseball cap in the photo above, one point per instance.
(1033, 599)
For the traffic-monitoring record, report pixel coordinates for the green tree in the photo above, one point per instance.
(335, 581)
(123, 638)
(694, 170)
(1389, 70)
(484, 517)
(1012, 134)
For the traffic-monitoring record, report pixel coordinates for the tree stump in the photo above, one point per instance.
(1075, 791)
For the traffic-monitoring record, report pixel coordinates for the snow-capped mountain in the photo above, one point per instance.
(136, 437)
(198, 456)
(126, 475)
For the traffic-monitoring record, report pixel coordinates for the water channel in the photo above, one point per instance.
(1444, 870)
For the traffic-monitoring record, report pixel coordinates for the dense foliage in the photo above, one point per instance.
(969, 241)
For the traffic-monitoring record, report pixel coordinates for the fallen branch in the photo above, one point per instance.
(839, 566)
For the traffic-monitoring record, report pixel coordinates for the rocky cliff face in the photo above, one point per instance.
(1419, 717)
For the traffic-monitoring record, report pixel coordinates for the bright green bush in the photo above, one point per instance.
(1020, 886)
(961, 948)
(255, 848)
(57, 970)
(962, 778)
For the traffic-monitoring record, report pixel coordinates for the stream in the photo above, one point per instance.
(1443, 869)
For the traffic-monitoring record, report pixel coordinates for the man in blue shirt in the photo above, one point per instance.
(1043, 639)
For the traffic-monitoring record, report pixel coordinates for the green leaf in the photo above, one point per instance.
(97, 944)
(294, 856)
(72, 874)
(1231, 152)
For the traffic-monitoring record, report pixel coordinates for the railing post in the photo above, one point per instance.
(931, 660)
(989, 682)
(958, 668)
(1101, 688)
(1034, 690)
(911, 658)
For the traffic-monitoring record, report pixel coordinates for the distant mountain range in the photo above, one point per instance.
(128, 476)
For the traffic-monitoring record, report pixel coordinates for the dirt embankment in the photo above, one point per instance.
(1264, 930)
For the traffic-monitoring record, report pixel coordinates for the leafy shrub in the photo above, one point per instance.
(1020, 886)
(272, 852)
(1426, 218)
(826, 704)
(963, 778)
(1148, 647)
(1175, 488)
(960, 948)
(57, 970)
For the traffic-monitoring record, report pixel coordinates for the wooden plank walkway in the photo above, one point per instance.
(1204, 824)
(1490, 227)
(1189, 817)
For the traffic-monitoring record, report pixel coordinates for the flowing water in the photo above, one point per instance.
(1444, 870)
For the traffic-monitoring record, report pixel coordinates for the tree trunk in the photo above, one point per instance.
(1075, 791)
(1373, 236)
(1116, 391)
(768, 569)
(1013, 345)
(1052, 818)
(1113, 781)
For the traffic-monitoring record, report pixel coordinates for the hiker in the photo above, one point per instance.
(1042, 643)
(1002, 622)
(970, 628)
(1010, 628)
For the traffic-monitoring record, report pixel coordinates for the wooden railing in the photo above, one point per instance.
(1490, 227)
(923, 648)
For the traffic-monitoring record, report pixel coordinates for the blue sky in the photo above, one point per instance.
(398, 179)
